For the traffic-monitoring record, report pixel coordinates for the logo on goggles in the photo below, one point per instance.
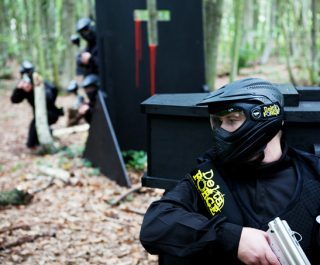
(266, 111)
(271, 111)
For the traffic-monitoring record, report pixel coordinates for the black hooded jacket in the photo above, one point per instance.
(179, 226)
(93, 65)
(18, 95)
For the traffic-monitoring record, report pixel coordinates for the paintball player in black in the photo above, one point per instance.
(72, 113)
(90, 84)
(73, 89)
(25, 90)
(219, 213)
(87, 59)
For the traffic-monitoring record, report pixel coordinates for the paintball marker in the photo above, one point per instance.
(73, 87)
(285, 245)
(75, 39)
(26, 78)
(79, 101)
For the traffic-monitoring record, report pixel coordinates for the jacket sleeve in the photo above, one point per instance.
(88, 114)
(173, 225)
(18, 95)
(51, 92)
(94, 59)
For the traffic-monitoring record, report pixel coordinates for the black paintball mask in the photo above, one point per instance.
(26, 68)
(244, 115)
(91, 85)
(86, 30)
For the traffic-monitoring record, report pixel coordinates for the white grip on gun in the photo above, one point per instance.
(285, 245)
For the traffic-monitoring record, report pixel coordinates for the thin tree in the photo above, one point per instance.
(283, 8)
(314, 51)
(57, 47)
(4, 25)
(212, 14)
(68, 64)
(238, 14)
(271, 34)
(248, 24)
(38, 37)
(41, 117)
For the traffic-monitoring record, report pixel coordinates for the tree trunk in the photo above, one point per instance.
(270, 41)
(41, 116)
(3, 32)
(212, 15)
(287, 52)
(247, 29)
(38, 36)
(48, 22)
(68, 64)
(20, 27)
(57, 43)
(305, 38)
(30, 25)
(314, 53)
(238, 9)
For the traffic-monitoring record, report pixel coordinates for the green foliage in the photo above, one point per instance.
(94, 172)
(17, 167)
(47, 150)
(14, 197)
(86, 163)
(73, 151)
(5, 73)
(40, 30)
(64, 162)
(129, 198)
(135, 159)
(43, 162)
(246, 57)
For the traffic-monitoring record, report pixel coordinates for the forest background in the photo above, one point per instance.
(85, 218)
(238, 34)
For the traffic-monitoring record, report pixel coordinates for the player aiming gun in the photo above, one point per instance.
(73, 116)
(87, 59)
(85, 109)
(25, 91)
(75, 40)
(26, 71)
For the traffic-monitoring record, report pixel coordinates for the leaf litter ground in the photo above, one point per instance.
(72, 221)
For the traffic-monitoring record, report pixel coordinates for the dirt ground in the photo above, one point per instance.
(71, 221)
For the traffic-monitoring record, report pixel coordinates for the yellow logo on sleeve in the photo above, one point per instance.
(209, 190)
